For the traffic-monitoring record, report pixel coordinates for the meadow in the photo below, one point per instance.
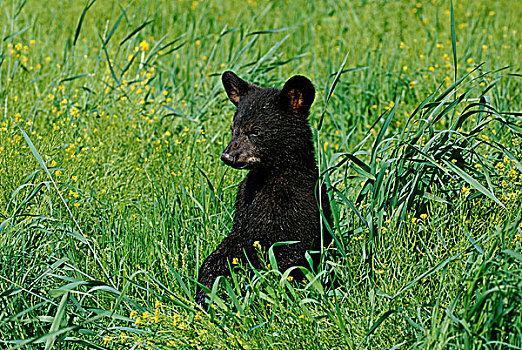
(112, 192)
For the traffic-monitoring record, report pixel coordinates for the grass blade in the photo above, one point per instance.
(453, 40)
(82, 18)
(58, 318)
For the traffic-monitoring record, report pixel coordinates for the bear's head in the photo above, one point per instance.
(270, 126)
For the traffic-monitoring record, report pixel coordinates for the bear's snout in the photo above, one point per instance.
(227, 158)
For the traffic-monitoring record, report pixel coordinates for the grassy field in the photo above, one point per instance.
(112, 193)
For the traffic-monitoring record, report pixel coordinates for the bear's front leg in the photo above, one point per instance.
(217, 264)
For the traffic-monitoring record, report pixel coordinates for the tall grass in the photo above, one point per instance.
(112, 192)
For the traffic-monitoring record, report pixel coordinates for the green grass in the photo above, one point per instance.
(112, 192)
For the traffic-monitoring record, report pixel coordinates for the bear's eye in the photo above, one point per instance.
(255, 132)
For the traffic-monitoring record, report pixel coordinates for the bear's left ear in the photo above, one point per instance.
(298, 93)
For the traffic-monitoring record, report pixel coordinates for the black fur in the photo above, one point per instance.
(277, 200)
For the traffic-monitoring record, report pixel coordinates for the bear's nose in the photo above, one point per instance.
(227, 158)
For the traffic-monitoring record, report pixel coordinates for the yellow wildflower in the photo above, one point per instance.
(144, 45)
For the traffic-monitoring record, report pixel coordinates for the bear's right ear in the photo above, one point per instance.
(235, 86)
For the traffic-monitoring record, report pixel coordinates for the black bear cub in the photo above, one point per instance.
(277, 200)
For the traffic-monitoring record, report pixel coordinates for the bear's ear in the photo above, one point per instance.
(298, 93)
(235, 86)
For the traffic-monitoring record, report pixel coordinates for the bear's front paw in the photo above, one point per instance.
(201, 297)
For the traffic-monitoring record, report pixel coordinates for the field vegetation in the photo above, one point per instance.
(112, 121)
